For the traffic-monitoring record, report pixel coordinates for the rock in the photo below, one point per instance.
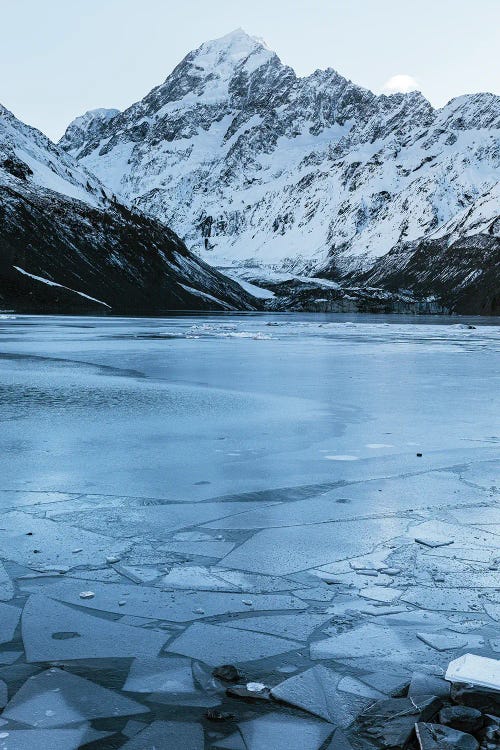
(464, 718)
(393, 721)
(214, 715)
(484, 700)
(437, 737)
(227, 673)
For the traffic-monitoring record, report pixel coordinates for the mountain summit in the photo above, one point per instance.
(251, 164)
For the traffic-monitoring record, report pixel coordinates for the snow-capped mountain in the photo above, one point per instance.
(252, 165)
(67, 244)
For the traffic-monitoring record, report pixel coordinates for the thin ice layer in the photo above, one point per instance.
(53, 632)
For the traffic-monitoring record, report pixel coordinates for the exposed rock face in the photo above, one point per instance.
(67, 245)
(247, 161)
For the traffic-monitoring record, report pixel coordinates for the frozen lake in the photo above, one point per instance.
(307, 495)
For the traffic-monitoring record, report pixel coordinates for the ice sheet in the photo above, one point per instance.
(56, 698)
(54, 632)
(284, 733)
(168, 735)
(9, 617)
(217, 644)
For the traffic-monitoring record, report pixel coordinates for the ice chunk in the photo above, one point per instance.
(196, 577)
(299, 627)
(475, 670)
(213, 548)
(170, 675)
(317, 690)
(381, 593)
(9, 617)
(280, 551)
(444, 599)
(53, 632)
(55, 698)
(369, 640)
(218, 644)
(446, 640)
(42, 739)
(168, 735)
(284, 733)
(55, 542)
(176, 606)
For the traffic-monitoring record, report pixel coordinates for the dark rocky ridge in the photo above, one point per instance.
(127, 262)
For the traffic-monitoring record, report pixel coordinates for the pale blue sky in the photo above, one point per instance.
(59, 58)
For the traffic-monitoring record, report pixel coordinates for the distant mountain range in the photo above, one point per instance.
(318, 190)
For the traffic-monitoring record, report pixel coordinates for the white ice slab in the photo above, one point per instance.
(369, 641)
(42, 739)
(446, 640)
(475, 670)
(176, 606)
(55, 698)
(156, 521)
(217, 644)
(169, 675)
(299, 627)
(212, 548)
(53, 632)
(9, 617)
(281, 732)
(55, 542)
(317, 691)
(444, 599)
(280, 551)
(168, 735)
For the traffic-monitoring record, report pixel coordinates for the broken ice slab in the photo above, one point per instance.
(316, 594)
(42, 739)
(369, 641)
(447, 640)
(318, 691)
(441, 534)
(9, 657)
(218, 644)
(299, 627)
(381, 593)
(287, 550)
(9, 617)
(168, 675)
(212, 548)
(438, 737)
(176, 606)
(445, 599)
(423, 684)
(6, 585)
(155, 521)
(281, 732)
(55, 698)
(387, 682)
(475, 670)
(411, 492)
(54, 541)
(53, 632)
(196, 577)
(168, 735)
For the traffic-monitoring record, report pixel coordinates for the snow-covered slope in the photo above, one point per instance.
(67, 245)
(249, 163)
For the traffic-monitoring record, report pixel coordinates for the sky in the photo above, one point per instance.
(59, 58)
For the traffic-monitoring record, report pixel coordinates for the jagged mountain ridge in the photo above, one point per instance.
(252, 165)
(67, 244)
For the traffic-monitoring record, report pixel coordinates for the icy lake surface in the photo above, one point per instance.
(313, 499)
